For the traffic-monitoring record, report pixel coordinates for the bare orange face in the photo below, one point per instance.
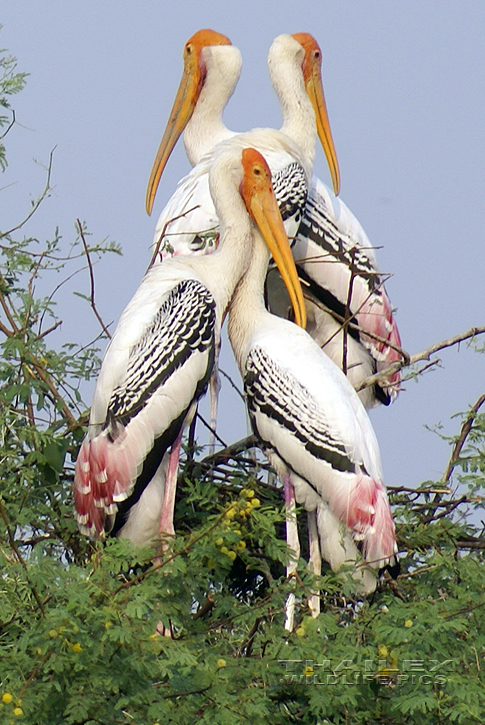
(183, 107)
(312, 77)
(257, 192)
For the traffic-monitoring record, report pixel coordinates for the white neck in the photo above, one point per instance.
(247, 311)
(284, 63)
(206, 128)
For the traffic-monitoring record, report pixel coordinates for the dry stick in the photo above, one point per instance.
(160, 238)
(20, 559)
(91, 277)
(9, 127)
(347, 313)
(209, 427)
(423, 355)
(45, 377)
(355, 326)
(460, 442)
(241, 395)
(38, 202)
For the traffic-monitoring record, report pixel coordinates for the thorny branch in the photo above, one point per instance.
(460, 441)
(91, 277)
(37, 202)
(423, 355)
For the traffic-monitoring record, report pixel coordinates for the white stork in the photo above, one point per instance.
(212, 66)
(159, 360)
(315, 431)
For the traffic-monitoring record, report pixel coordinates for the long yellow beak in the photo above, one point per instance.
(262, 206)
(184, 104)
(315, 92)
(312, 73)
(180, 115)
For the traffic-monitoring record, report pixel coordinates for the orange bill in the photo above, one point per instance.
(312, 74)
(183, 107)
(261, 203)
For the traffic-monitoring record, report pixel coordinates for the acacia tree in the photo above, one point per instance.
(78, 620)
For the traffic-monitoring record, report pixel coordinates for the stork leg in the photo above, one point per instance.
(214, 389)
(315, 560)
(165, 527)
(294, 545)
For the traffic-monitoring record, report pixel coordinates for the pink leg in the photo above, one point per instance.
(165, 527)
(214, 388)
(315, 559)
(294, 544)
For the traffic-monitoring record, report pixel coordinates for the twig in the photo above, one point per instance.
(91, 277)
(9, 127)
(19, 556)
(209, 427)
(231, 451)
(37, 203)
(460, 442)
(228, 377)
(160, 238)
(205, 608)
(423, 355)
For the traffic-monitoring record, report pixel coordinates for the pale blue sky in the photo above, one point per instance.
(404, 83)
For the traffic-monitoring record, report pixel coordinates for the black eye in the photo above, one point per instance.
(317, 54)
(257, 171)
(188, 49)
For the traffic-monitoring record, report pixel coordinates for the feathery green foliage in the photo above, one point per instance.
(80, 623)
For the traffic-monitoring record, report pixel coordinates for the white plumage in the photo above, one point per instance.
(329, 240)
(315, 430)
(157, 366)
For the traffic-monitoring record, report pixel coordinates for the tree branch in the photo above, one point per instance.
(91, 277)
(423, 355)
(460, 441)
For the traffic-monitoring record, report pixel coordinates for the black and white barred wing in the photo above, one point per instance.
(138, 412)
(309, 417)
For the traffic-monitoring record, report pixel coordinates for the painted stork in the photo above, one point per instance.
(189, 223)
(212, 66)
(315, 431)
(349, 312)
(158, 363)
(189, 217)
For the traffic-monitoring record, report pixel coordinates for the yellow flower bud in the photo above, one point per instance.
(219, 541)
(76, 648)
(382, 650)
(249, 493)
(255, 502)
(221, 663)
(232, 555)
(241, 545)
(52, 633)
(7, 698)
(300, 631)
(408, 623)
(18, 711)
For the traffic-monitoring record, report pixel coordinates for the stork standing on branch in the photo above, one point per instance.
(315, 431)
(159, 361)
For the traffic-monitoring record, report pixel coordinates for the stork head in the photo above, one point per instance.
(257, 191)
(312, 76)
(183, 107)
